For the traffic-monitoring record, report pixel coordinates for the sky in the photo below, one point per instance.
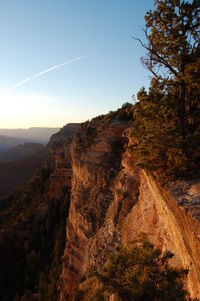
(68, 60)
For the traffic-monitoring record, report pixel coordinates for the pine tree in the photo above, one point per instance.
(166, 121)
(173, 50)
(141, 273)
(156, 133)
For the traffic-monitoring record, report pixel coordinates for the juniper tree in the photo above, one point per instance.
(172, 33)
(141, 273)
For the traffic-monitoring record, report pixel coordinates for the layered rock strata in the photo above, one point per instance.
(96, 152)
(114, 204)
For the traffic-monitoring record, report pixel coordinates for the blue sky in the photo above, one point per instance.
(37, 35)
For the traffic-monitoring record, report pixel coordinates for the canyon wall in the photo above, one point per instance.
(60, 161)
(113, 204)
(60, 178)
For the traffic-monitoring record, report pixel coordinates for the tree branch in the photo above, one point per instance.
(159, 58)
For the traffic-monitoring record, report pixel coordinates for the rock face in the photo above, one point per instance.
(95, 152)
(60, 178)
(59, 148)
(168, 226)
(112, 203)
(66, 132)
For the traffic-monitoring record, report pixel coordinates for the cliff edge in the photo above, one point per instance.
(113, 204)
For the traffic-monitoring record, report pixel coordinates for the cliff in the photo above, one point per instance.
(60, 161)
(114, 204)
(90, 181)
(60, 178)
(32, 228)
(95, 152)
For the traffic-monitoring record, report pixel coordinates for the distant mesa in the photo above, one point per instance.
(8, 142)
(16, 172)
(20, 158)
(21, 151)
(19, 136)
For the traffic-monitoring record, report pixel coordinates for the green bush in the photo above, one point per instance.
(139, 274)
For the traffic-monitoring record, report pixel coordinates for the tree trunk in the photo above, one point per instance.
(182, 95)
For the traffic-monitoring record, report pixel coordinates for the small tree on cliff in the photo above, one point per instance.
(139, 274)
(156, 132)
(173, 50)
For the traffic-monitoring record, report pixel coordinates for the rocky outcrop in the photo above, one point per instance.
(60, 178)
(158, 217)
(60, 161)
(96, 152)
(63, 134)
(114, 204)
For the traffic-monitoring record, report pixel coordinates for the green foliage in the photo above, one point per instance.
(157, 134)
(122, 114)
(141, 273)
(172, 32)
(166, 123)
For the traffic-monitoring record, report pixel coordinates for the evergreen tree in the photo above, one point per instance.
(173, 50)
(166, 121)
(156, 132)
(141, 273)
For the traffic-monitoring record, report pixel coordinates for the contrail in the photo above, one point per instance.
(45, 71)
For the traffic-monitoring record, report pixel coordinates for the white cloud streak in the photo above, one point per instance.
(28, 79)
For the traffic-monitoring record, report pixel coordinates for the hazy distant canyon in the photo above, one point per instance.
(22, 151)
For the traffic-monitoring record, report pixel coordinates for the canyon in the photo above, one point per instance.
(107, 202)
(112, 203)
